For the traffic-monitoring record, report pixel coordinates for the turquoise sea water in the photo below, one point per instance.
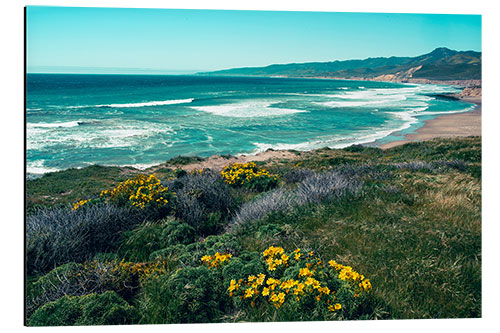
(142, 120)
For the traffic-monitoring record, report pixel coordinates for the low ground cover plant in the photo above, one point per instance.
(148, 237)
(95, 276)
(189, 295)
(92, 309)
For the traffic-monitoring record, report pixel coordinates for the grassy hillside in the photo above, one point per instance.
(440, 64)
(408, 219)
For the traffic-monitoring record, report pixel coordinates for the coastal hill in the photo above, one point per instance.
(442, 64)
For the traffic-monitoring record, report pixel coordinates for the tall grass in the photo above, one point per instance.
(297, 175)
(313, 189)
(417, 235)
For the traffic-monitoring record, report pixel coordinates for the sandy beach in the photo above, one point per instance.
(447, 126)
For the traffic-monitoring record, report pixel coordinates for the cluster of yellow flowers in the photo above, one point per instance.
(310, 282)
(216, 260)
(239, 173)
(335, 307)
(277, 291)
(276, 256)
(79, 204)
(347, 273)
(140, 191)
(196, 171)
(143, 270)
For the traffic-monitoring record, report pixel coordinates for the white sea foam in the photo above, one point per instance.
(341, 104)
(446, 112)
(153, 103)
(408, 118)
(134, 105)
(332, 142)
(139, 166)
(38, 167)
(53, 125)
(104, 135)
(282, 146)
(247, 109)
(376, 97)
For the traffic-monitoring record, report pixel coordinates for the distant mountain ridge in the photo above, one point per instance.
(442, 64)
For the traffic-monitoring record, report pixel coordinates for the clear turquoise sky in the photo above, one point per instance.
(116, 40)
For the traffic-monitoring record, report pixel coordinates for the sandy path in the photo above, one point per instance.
(218, 163)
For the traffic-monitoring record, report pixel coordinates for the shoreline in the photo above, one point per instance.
(464, 83)
(445, 126)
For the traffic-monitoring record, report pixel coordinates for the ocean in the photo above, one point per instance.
(141, 120)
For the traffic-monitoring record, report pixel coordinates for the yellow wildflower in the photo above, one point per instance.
(249, 293)
(305, 272)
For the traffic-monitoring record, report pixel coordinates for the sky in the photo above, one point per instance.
(121, 40)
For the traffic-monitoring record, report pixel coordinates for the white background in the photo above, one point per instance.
(12, 159)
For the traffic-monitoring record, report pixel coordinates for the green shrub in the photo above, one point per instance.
(222, 243)
(58, 282)
(124, 278)
(173, 256)
(178, 232)
(190, 295)
(152, 236)
(247, 263)
(181, 255)
(475, 171)
(183, 160)
(465, 154)
(178, 173)
(92, 309)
